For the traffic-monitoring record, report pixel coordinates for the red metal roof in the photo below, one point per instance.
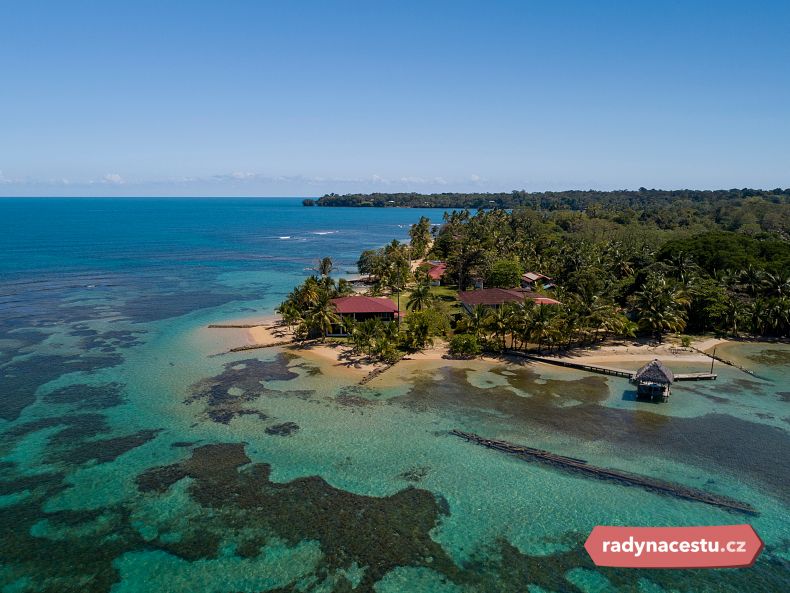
(534, 276)
(437, 271)
(364, 304)
(498, 296)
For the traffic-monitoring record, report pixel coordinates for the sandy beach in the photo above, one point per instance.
(337, 359)
(642, 350)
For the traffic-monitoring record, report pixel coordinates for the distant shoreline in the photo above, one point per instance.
(577, 200)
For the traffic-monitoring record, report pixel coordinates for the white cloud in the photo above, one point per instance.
(113, 178)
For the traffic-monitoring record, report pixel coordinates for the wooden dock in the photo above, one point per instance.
(626, 478)
(615, 372)
(695, 376)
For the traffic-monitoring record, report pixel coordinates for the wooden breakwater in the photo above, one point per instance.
(591, 368)
(574, 365)
(728, 362)
(629, 479)
(376, 373)
(259, 346)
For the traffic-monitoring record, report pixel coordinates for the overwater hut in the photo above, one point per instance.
(653, 381)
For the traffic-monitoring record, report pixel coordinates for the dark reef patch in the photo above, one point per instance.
(20, 379)
(505, 568)
(771, 357)
(247, 378)
(350, 397)
(283, 430)
(746, 450)
(76, 427)
(83, 396)
(377, 533)
(83, 564)
(150, 306)
(23, 339)
(110, 341)
(103, 450)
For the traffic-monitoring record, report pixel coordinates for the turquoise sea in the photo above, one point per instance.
(137, 456)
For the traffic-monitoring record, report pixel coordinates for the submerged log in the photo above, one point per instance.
(629, 479)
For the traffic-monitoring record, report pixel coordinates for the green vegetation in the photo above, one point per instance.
(634, 263)
(504, 273)
(748, 211)
(308, 308)
(464, 346)
(389, 266)
(615, 279)
(420, 237)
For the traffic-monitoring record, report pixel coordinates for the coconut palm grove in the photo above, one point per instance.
(645, 263)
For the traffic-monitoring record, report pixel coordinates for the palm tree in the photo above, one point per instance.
(660, 306)
(752, 279)
(731, 313)
(309, 292)
(325, 266)
(498, 321)
(364, 335)
(420, 298)
(683, 267)
(475, 321)
(777, 284)
(759, 316)
(779, 315)
(290, 313)
(541, 324)
(522, 320)
(418, 333)
(322, 315)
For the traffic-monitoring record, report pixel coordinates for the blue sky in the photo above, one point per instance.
(305, 98)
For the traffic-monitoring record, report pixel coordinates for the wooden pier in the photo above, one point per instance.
(626, 478)
(615, 372)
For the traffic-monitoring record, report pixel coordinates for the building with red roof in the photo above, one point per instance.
(436, 272)
(361, 308)
(496, 297)
(530, 279)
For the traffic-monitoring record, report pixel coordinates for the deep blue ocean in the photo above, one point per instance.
(138, 455)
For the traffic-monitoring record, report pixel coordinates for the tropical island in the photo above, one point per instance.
(747, 210)
(604, 282)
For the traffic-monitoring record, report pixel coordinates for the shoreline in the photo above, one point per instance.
(337, 359)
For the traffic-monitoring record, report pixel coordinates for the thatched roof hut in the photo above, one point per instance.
(654, 372)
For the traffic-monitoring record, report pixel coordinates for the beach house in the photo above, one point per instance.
(436, 272)
(530, 280)
(496, 297)
(361, 308)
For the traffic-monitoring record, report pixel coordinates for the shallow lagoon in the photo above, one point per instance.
(136, 457)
